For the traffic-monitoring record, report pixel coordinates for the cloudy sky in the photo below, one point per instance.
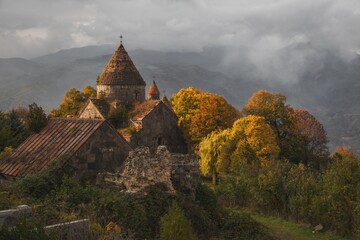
(30, 28)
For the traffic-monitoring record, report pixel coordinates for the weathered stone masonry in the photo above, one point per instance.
(180, 172)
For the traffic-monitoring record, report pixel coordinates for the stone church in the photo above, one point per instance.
(150, 122)
(90, 142)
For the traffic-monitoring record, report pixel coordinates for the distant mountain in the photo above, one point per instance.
(67, 56)
(321, 81)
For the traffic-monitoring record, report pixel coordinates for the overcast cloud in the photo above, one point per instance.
(30, 28)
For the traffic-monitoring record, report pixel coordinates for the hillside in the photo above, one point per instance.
(322, 81)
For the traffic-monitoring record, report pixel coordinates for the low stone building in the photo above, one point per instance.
(91, 145)
(156, 126)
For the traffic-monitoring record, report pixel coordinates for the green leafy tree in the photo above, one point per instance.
(338, 203)
(118, 116)
(36, 118)
(5, 131)
(175, 226)
(12, 130)
(73, 101)
(17, 128)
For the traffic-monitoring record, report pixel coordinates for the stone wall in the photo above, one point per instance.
(124, 93)
(9, 217)
(74, 230)
(160, 127)
(180, 172)
(105, 150)
(90, 111)
(185, 172)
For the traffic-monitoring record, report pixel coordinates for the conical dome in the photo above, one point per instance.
(153, 92)
(120, 70)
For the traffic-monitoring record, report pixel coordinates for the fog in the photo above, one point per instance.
(275, 41)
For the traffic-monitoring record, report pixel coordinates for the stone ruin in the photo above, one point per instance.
(179, 172)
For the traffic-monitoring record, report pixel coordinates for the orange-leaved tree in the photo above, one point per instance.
(201, 113)
(277, 113)
(311, 138)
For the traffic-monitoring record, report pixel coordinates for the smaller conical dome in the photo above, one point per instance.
(153, 92)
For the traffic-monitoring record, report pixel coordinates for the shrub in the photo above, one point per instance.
(207, 199)
(239, 225)
(40, 184)
(175, 226)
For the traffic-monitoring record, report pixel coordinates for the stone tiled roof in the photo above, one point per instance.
(153, 90)
(140, 110)
(60, 137)
(120, 70)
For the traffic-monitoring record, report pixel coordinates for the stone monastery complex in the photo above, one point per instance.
(93, 144)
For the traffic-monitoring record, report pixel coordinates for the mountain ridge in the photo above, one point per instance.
(325, 84)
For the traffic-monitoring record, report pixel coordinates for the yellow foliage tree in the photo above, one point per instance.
(250, 140)
(272, 107)
(277, 114)
(261, 139)
(201, 113)
(210, 149)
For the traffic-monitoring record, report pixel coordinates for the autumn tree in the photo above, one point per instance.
(36, 118)
(201, 113)
(343, 152)
(311, 138)
(210, 150)
(250, 140)
(273, 108)
(89, 92)
(277, 113)
(255, 142)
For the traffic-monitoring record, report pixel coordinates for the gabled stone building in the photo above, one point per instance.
(91, 146)
(151, 122)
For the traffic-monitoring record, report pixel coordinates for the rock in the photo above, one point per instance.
(318, 228)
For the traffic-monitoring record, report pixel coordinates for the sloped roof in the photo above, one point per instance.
(102, 106)
(166, 101)
(153, 90)
(120, 70)
(60, 137)
(140, 110)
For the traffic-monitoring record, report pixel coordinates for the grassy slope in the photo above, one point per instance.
(284, 230)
